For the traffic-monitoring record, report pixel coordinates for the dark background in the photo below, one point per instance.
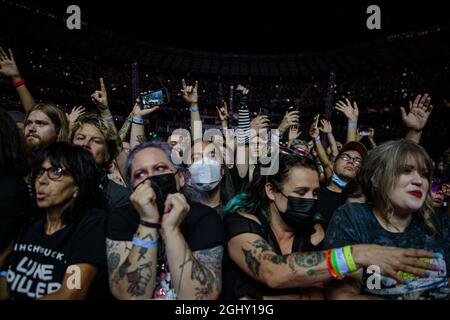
(249, 26)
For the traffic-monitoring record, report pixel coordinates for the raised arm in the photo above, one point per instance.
(8, 68)
(100, 99)
(328, 129)
(137, 123)
(321, 152)
(290, 119)
(417, 118)
(351, 112)
(190, 95)
(74, 114)
(243, 131)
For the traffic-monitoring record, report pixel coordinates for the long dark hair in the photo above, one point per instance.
(81, 165)
(14, 153)
(255, 200)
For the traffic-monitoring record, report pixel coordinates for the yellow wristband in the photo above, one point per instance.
(349, 259)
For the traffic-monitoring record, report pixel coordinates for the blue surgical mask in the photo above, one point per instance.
(338, 181)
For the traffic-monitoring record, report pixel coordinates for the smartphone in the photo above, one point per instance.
(263, 112)
(292, 108)
(154, 98)
(316, 121)
(363, 133)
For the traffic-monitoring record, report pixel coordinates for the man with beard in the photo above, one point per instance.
(345, 168)
(44, 124)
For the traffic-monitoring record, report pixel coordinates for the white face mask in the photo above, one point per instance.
(205, 174)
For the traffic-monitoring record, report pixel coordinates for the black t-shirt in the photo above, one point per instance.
(13, 208)
(236, 283)
(328, 202)
(38, 262)
(355, 223)
(202, 229)
(114, 195)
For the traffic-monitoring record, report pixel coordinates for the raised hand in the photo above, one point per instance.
(189, 93)
(75, 114)
(326, 126)
(242, 90)
(259, 123)
(8, 66)
(313, 132)
(294, 133)
(419, 111)
(290, 119)
(100, 98)
(351, 112)
(223, 112)
(143, 113)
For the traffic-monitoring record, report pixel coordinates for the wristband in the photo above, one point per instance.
(109, 119)
(18, 83)
(150, 224)
(317, 138)
(349, 259)
(341, 264)
(194, 109)
(3, 274)
(331, 269)
(334, 262)
(137, 120)
(144, 243)
(352, 125)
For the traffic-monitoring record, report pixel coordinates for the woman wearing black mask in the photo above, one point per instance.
(163, 245)
(274, 243)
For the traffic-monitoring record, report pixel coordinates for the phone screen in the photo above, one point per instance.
(154, 98)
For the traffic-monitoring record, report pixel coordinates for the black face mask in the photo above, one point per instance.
(300, 213)
(162, 185)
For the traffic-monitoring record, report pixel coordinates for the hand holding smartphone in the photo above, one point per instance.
(154, 98)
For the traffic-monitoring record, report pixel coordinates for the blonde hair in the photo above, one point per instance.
(111, 138)
(381, 169)
(58, 118)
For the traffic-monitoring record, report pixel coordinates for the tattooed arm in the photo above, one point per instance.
(132, 269)
(196, 275)
(255, 256)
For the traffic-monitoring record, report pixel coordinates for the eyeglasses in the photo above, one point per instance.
(357, 161)
(53, 173)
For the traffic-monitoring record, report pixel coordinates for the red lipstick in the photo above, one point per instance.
(416, 193)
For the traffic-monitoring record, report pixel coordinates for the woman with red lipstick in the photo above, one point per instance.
(60, 252)
(395, 179)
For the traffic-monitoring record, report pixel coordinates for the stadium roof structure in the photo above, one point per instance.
(236, 40)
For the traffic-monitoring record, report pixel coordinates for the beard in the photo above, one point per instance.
(35, 144)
